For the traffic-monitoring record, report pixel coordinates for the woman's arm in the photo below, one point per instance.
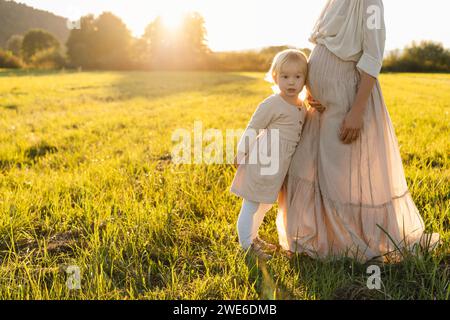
(353, 122)
(369, 65)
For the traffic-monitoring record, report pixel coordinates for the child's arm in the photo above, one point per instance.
(242, 150)
(314, 103)
(260, 120)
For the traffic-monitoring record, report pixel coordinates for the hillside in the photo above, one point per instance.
(18, 18)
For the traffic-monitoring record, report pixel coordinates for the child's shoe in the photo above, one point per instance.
(265, 244)
(258, 251)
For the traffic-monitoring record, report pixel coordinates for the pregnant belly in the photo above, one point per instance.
(332, 81)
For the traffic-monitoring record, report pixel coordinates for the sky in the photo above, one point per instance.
(251, 24)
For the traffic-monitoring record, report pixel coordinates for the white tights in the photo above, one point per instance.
(250, 219)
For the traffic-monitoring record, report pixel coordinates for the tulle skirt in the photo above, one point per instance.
(346, 200)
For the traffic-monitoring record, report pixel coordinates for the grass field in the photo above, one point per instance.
(86, 180)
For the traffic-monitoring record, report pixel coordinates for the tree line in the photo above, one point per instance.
(105, 43)
(426, 56)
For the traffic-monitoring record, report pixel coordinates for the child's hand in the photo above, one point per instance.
(235, 162)
(314, 103)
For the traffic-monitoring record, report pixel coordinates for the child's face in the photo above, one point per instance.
(291, 79)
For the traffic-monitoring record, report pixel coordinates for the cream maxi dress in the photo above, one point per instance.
(260, 178)
(344, 199)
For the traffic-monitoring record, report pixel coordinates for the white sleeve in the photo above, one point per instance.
(244, 148)
(263, 116)
(374, 37)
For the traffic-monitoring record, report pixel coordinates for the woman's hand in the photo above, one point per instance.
(314, 103)
(351, 127)
(353, 122)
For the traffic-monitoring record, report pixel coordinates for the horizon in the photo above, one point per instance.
(242, 35)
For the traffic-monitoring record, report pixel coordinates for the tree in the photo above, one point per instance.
(102, 43)
(184, 48)
(427, 56)
(81, 42)
(113, 41)
(193, 46)
(8, 60)
(140, 53)
(194, 34)
(48, 59)
(154, 41)
(37, 40)
(14, 44)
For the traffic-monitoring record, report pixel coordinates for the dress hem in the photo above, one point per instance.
(251, 197)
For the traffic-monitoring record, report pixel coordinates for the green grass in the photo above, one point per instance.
(86, 180)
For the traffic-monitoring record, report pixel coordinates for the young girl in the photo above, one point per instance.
(281, 117)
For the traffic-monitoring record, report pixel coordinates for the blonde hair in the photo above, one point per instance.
(284, 56)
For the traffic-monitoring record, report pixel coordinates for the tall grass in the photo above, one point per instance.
(86, 179)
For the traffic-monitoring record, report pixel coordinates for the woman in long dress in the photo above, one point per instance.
(346, 193)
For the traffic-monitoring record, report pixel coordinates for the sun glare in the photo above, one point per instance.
(172, 19)
(303, 94)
